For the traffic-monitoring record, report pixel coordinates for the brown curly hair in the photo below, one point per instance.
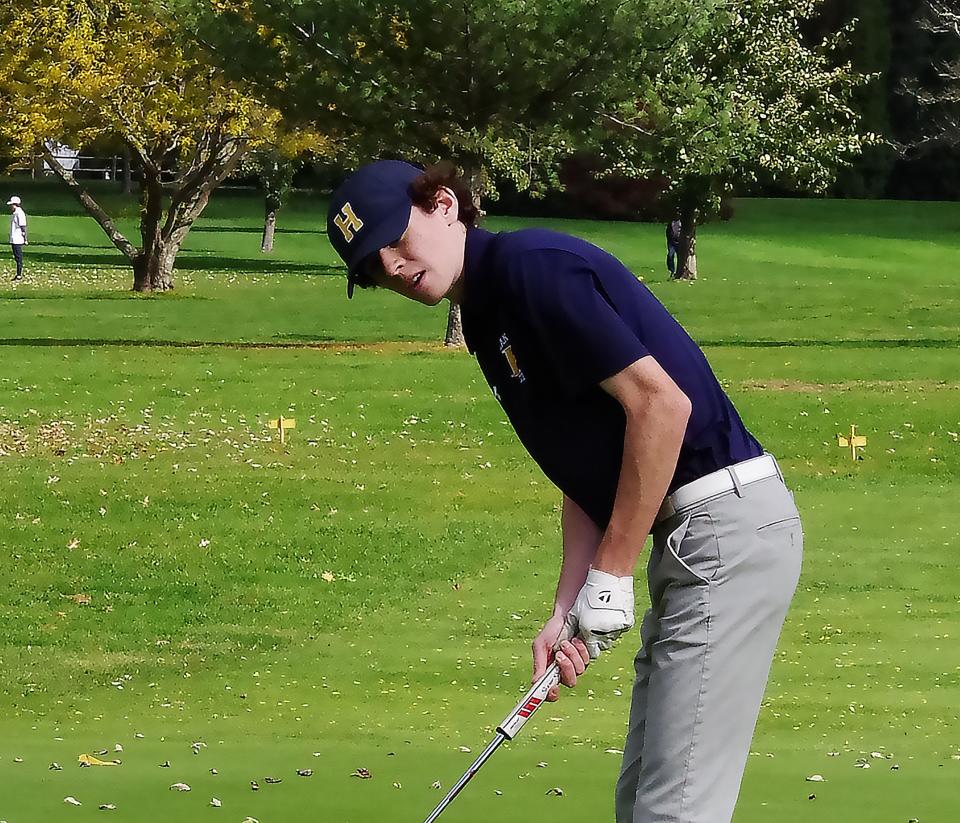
(423, 191)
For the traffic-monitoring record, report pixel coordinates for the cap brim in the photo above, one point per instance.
(389, 231)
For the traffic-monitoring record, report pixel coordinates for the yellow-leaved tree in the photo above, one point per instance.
(75, 71)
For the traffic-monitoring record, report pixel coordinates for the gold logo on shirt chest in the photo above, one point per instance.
(507, 351)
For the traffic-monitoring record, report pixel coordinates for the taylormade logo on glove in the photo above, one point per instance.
(602, 611)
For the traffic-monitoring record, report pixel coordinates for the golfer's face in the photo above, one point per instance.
(426, 261)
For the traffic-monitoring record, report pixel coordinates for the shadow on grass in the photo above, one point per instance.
(918, 343)
(254, 230)
(174, 344)
(308, 340)
(53, 244)
(187, 262)
(127, 294)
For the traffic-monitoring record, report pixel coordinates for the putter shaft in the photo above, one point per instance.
(468, 775)
(507, 730)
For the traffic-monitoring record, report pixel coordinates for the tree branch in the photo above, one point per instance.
(623, 123)
(91, 206)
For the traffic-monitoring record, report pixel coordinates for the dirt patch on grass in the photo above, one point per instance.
(802, 387)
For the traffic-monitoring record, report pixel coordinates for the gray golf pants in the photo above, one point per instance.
(721, 576)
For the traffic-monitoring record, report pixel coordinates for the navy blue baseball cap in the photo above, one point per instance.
(370, 210)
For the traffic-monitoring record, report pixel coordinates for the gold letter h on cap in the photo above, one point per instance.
(348, 222)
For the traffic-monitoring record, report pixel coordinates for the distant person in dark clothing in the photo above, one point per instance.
(674, 229)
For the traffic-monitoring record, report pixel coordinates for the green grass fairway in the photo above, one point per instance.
(365, 596)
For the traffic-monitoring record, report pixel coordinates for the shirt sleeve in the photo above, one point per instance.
(563, 303)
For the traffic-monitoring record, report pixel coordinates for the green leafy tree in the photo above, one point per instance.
(114, 70)
(936, 90)
(740, 98)
(500, 87)
(276, 179)
(274, 164)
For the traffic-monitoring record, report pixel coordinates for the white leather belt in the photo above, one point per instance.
(719, 482)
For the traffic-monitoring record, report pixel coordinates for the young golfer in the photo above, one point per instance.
(621, 410)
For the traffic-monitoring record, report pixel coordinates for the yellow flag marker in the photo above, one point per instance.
(853, 442)
(282, 424)
(90, 760)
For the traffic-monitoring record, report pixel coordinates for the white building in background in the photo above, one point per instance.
(66, 157)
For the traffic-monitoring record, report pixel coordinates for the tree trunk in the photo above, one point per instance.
(208, 169)
(454, 336)
(687, 264)
(269, 227)
(147, 268)
(127, 172)
(153, 269)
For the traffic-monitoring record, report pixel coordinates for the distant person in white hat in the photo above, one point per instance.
(18, 233)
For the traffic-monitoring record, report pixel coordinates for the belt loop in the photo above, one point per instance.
(736, 481)
(776, 465)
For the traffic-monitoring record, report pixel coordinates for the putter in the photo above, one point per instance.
(507, 730)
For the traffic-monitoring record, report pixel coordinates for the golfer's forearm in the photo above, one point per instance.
(581, 536)
(651, 447)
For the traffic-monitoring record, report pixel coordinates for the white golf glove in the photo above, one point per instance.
(602, 611)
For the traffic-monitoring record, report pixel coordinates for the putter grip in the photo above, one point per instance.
(531, 701)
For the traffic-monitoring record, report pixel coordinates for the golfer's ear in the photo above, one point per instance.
(448, 205)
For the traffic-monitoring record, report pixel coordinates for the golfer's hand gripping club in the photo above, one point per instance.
(507, 730)
(602, 611)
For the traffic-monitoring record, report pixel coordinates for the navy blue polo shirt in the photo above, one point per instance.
(549, 316)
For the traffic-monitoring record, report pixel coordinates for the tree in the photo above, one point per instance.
(274, 164)
(869, 48)
(276, 179)
(740, 98)
(502, 88)
(937, 90)
(74, 72)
